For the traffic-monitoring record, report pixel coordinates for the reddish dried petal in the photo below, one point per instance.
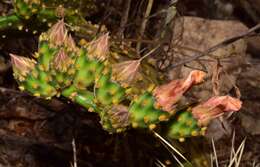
(215, 107)
(169, 94)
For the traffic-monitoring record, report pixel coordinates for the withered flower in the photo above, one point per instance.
(126, 72)
(58, 33)
(21, 66)
(119, 116)
(99, 48)
(169, 94)
(215, 107)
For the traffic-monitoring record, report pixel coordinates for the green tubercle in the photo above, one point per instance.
(144, 114)
(183, 125)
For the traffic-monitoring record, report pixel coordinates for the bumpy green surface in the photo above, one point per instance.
(66, 70)
(33, 15)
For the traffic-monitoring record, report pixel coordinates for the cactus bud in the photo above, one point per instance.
(215, 107)
(21, 66)
(58, 33)
(99, 48)
(169, 94)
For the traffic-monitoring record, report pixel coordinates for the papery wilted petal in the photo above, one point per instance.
(119, 116)
(126, 72)
(21, 65)
(169, 94)
(61, 61)
(99, 48)
(70, 43)
(215, 107)
(58, 33)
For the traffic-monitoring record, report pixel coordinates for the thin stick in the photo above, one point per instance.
(74, 153)
(124, 18)
(149, 53)
(169, 145)
(143, 25)
(217, 46)
(215, 152)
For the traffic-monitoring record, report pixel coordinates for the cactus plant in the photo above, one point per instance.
(87, 76)
(44, 13)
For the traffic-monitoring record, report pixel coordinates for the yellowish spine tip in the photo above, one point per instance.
(37, 94)
(27, 17)
(35, 85)
(115, 101)
(203, 131)
(20, 27)
(151, 87)
(194, 133)
(179, 119)
(163, 118)
(152, 126)
(34, 10)
(181, 139)
(168, 162)
(91, 109)
(146, 119)
(128, 91)
(21, 88)
(134, 124)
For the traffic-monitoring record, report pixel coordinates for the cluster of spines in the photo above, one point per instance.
(85, 77)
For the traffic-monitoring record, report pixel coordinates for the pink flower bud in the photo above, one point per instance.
(215, 107)
(169, 94)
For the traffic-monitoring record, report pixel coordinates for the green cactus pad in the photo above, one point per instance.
(144, 114)
(87, 71)
(183, 125)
